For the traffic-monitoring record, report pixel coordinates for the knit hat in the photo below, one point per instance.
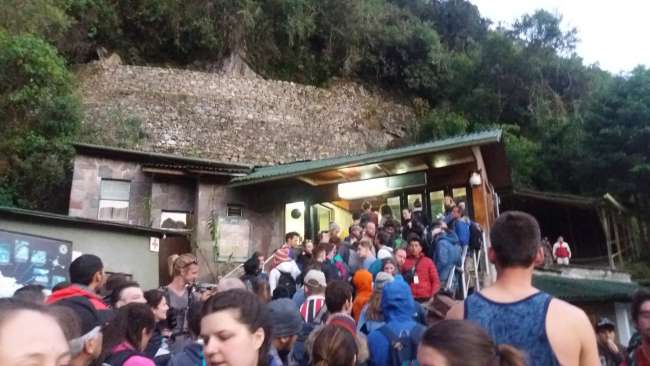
(285, 318)
(315, 278)
(280, 256)
(382, 279)
(344, 321)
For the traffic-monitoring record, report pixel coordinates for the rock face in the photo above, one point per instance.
(245, 120)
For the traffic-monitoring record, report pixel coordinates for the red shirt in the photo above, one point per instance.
(427, 273)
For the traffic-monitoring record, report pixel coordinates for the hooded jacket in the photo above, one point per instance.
(446, 254)
(191, 355)
(74, 291)
(428, 281)
(289, 267)
(362, 281)
(398, 307)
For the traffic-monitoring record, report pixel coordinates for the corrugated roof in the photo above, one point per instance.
(41, 216)
(168, 160)
(262, 174)
(585, 290)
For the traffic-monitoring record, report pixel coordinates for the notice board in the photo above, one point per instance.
(31, 259)
(233, 240)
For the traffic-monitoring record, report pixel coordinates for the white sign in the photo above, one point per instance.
(154, 244)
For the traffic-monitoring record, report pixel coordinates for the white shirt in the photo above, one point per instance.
(288, 267)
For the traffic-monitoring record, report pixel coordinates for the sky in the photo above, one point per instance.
(614, 34)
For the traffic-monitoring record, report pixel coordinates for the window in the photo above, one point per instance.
(235, 210)
(459, 194)
(178, 220)
(114, 200)
(437, 199)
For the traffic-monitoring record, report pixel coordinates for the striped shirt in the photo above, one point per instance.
(310, 308)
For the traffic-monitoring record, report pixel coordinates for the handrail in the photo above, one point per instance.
(242, 264)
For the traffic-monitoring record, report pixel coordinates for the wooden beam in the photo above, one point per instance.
(608, 243)
(617, 239)
(163, 171)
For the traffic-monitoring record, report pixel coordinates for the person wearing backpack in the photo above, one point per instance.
(127, 336)
(284, 274)
(395, 343)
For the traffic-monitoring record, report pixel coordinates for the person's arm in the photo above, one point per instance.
(273, 279)
(433, 278)
(588, 345)
(457, 311)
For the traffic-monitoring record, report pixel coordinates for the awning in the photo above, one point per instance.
(420, 157)
(585, 290)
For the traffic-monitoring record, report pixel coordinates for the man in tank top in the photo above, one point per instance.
(548, 330)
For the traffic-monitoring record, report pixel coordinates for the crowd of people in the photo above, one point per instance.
(375, 297)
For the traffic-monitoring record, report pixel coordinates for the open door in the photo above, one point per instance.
(168, 246)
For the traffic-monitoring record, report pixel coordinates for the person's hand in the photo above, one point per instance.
(612, 346)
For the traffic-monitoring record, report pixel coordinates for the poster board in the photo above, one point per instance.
(233, 239)
(32, 259)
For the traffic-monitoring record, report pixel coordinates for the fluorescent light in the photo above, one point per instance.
(364, 188)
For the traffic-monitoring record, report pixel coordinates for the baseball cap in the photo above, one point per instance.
(605, 323)
(315, 278)
(285, 318)
(89, 317)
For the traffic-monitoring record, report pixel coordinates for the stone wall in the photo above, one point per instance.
(248, 120)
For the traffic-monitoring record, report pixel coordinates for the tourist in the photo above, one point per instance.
(338, 298)
(609, 352)
(179, 294)
(400, 258)
(368, 215)
(639, 352)
(125, 293)
(30, 293)
(313, 309)
(562, 251)
(228, 283)
(398, 307)
(334, 230)
(262, 289)
(364, 251)
(418, 215)
(30, 336)
(372, 317)
(386, 215)
(460, 225)
(236, 330)
(390, 266)
(446, 252)
(284, 273)
(410, 226)
(549, 331)
(252, 269)
(334, 346)
(127, 336)
(306, 255)
(291, 242)
(384, 245)
(324, 254)
(86, 343)
(463, 343)
(192, 354)
(87, 277)
(420, 272)
(158, 345)
(362, 281)
(286, 325)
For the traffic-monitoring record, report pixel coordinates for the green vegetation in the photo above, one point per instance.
(569, 126)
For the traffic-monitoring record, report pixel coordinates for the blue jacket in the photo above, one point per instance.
(461, 227)
(446, 254)
(191, 355)
(398, 307)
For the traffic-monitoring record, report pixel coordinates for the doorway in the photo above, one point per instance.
(168, 246)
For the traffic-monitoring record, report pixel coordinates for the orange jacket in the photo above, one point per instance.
(362, 281)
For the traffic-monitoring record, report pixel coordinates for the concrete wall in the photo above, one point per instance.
(171, 194)
(86, 181)
(120, 252)
(236, 119)
(266, 225)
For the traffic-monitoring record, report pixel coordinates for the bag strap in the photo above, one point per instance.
(388, 333)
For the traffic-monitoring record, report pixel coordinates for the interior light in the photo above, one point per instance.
(364, 188)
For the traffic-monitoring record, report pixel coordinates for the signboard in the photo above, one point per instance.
(233, 239)
(31, 259)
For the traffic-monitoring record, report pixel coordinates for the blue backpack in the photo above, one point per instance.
(403, 348)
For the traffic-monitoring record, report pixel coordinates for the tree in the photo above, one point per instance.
(40, 114)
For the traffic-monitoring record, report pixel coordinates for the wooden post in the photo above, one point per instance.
(617, 239)
(608, 243)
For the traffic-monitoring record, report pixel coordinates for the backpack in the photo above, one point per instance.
(287, 282)
(404, 348)
(475, 237)
(120, 358)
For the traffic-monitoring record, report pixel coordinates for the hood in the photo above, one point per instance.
(286, 266)
(362, 281)
(75, 291)
(194, 352)
(397, 301)
(449, 236)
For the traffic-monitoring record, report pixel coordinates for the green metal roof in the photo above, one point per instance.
(275, 172)
(585, 290)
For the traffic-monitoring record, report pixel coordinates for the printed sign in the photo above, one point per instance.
(233, 239)
(30, 259)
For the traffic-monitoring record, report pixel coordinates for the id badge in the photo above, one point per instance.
(416, 279)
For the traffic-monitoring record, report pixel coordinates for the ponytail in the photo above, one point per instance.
(508, 355)
(177, 263)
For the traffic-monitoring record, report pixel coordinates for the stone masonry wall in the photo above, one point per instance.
(247, 120)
